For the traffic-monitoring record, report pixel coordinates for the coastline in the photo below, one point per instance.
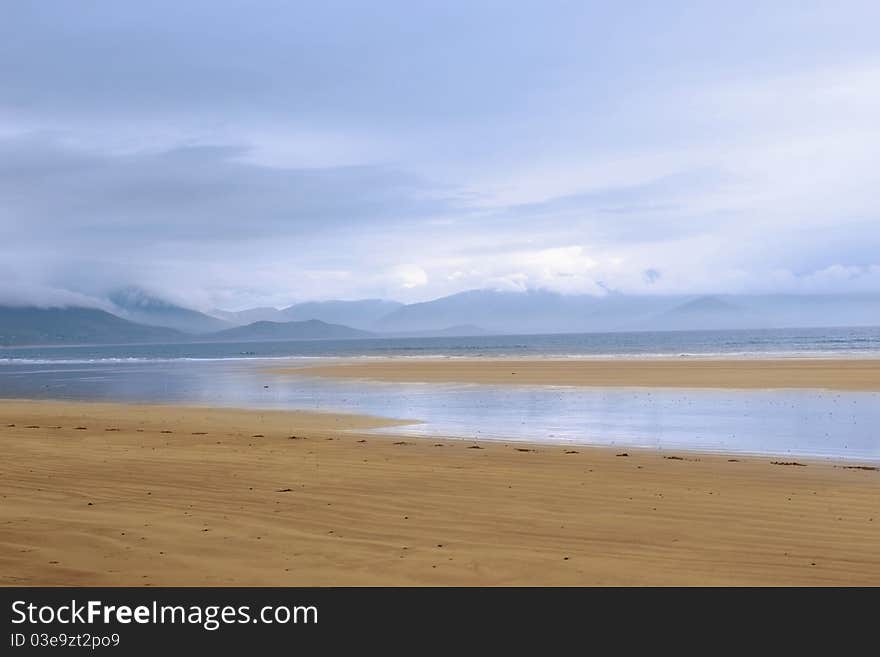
(754, 373)
(152, 495)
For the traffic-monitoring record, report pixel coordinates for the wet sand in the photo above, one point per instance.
(101, 494)
(840, 374)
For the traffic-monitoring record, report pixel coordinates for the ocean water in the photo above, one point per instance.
(839, 342)
(781, 422)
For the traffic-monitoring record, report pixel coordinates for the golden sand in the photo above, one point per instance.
(681, 373)
(136, 495)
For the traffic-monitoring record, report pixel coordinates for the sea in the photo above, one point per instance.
(791, 423)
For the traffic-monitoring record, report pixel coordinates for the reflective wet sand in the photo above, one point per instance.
(786, 422)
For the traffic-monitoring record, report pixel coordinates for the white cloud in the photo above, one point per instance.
(410, 276)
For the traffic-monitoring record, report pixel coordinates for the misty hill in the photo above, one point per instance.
(815, 309)
(312, 329)
(704, 305)
(139, 306)
(249, 316)
(461, 330)
(361, 314)
(709, 312)
(534, 311)
(37, 326)
(772, 311)
(541, 311)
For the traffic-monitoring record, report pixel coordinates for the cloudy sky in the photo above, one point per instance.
(245, 153)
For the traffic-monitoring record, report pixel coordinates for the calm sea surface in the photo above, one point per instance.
(859, 341)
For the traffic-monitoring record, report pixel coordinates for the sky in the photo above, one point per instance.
(234, 154)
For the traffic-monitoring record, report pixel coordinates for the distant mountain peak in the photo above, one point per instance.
(29, 325)
(141, 306)
(359, 313)
(705, 304)
(132, 297)
(311, 329)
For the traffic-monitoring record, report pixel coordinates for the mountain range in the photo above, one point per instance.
(361, 314)
(547, 312)
(133, 315)
(139, 306)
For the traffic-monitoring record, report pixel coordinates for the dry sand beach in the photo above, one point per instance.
(102, 494)
(835, 374)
